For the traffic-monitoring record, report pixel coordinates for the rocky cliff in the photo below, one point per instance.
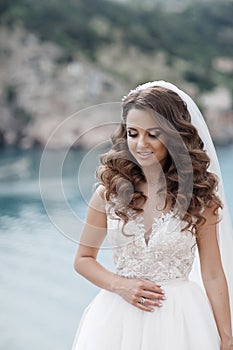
(40, 90)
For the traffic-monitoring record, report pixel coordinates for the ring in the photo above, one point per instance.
(142, 301)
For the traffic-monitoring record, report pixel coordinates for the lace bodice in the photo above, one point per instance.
(168, 254)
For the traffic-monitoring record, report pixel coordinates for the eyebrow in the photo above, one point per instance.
(149, 129)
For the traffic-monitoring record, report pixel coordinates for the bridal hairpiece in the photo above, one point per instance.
(139, 87)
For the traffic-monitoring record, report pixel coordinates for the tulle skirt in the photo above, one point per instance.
(184, 322)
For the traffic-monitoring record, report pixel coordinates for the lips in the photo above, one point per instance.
(144, 154)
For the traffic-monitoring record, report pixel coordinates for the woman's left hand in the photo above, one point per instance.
(227, 344)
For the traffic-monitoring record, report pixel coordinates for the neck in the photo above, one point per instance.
(152, 175)
(155, 181)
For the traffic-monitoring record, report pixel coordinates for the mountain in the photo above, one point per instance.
(58, 57)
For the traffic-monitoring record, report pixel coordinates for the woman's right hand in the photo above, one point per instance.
(141, 293)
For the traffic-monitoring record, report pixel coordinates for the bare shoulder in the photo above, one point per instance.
(211, 216)
(101, 191)
(95, 226)
(207, 232)
(97, 201)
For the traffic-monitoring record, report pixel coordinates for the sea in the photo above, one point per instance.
(43, 199)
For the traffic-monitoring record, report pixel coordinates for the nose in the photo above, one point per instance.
(142, 142)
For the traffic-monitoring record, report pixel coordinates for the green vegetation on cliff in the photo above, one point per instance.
(198, 34)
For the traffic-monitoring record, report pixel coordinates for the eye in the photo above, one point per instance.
(132, 133)
(154, 134)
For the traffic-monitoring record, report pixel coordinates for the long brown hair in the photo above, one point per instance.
(121, 175)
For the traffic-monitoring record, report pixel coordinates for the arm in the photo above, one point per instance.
(214, 279)
(86, 264)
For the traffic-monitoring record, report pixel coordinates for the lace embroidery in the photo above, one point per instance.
(169, 253)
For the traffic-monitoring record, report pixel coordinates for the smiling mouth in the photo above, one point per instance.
(144, 154)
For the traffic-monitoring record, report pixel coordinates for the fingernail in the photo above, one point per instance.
(160, 304)
(164, 298)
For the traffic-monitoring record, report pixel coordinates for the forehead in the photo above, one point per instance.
(142, 119)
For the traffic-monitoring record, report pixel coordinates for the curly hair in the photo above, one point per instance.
(121, 174)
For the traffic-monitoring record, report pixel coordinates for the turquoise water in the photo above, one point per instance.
(41, 296)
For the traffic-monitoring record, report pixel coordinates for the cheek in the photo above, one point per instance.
(164, 150)
(161, 148)
(131, 145)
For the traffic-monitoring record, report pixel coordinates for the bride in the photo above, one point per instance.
(161, 205)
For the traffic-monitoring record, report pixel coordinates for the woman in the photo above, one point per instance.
(162, 204)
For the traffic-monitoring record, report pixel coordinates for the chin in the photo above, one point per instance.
(146, 162)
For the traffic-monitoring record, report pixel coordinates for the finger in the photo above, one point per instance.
(146, 307)
(151, 286)
(151, 302)
(150, 295)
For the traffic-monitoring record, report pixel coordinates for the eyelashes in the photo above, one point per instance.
(131, 134)
(134, 135)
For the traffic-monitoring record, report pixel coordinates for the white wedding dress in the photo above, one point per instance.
(184, 322)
